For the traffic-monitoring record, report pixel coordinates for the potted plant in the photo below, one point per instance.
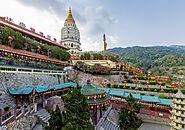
(6, 108)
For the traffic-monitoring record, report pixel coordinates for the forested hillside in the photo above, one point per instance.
(161, 60)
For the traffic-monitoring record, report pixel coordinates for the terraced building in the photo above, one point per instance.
(178, 112)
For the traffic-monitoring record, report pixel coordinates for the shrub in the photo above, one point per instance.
(133, 87)
(142, 93)
(164, 96)
(163, 84)
(152, 94)
(108, 85)
(152, 82)
(140, 77)
(151, 89)
(121, 86)
(6, 108)
(174, 90)
(169, 86)
(115, 85)
(139, 88)
(167, 90)
(157, 89)
(130, 81)
(127, 87)
(145, 88)
(143, 82)
(183, 90)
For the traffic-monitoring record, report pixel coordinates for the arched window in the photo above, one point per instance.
(71, 44)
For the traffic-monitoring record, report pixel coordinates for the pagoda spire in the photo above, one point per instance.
(70, 16)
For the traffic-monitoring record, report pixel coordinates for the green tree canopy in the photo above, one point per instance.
(55, 122)
(127, 116)
(77, 115)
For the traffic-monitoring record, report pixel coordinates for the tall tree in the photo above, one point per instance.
(128, 116)
(55, 122)
(77, 115)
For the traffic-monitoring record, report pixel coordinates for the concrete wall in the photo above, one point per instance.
(20, 80)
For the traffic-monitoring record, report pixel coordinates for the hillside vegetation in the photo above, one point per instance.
(161, 60)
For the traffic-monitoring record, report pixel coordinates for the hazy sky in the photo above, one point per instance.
(126, 22)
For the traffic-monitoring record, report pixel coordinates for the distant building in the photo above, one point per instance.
(70, 36)
(178, 112)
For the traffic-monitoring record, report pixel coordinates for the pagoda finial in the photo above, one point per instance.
(70, 16)
(70, 10)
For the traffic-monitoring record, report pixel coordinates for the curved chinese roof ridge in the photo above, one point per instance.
(91, 90)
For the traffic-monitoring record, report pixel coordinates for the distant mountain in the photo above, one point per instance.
(161, 60)
(173, 48)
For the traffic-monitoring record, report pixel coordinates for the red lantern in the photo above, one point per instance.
(160, 83)
(105, 80)
(149, 73)
(174, 85)
(145, 77)
(115, 81)
(9, 38)
(147, 83)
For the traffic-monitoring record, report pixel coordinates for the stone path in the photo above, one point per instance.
(38, 127)
(153, 126)
(43, 116)
(109, 125)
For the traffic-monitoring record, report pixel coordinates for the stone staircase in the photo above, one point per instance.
(43, 116)
(109, 125)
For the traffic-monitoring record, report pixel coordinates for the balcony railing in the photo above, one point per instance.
(15, 113)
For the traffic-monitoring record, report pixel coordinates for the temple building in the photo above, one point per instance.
(178, 112)
(70, 36)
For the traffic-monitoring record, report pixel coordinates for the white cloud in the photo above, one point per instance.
(48, 17)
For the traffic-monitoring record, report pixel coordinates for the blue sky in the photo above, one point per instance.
(126, 22)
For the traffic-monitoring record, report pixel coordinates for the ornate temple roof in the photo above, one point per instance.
(91, 90)
(70, 18)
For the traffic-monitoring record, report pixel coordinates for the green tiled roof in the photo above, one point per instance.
(105, 89)
(40, 89)
(26, 90)
(150, 98)
(126, 94)
(137, 96)
(101, 100)
(165, 101)
(91, 90)
(116, 92)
